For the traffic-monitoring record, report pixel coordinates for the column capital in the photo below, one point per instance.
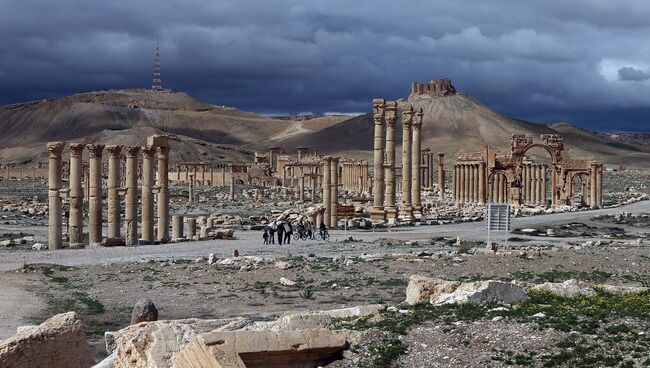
(132, 151)
(95, 150)
(407, 115)
(163, 152)
(378, 110)
(149, 151)
(76, 149)
(114, 150)
(55, 149)
(391, 113)
(417, 121)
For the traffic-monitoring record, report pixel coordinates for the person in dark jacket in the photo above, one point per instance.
(266, 235)
(271, 230)
(280, 231)
(288, 231)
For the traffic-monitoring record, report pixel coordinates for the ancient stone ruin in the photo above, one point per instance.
(117, 189)
(492, 176)
(435, 88)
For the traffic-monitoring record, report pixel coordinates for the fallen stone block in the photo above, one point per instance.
(482, 291)
(421, 288)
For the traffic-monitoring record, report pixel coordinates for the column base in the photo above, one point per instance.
(391, 215)
(406, 214)
(417, 212)
(377, 216)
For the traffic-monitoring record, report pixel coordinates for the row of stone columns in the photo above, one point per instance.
(499, 188)
(354, 175)
(115, 191)
(384, 188)
(330, 188)
(534, 184)
(470, 182)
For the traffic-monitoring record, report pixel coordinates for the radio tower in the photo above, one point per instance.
(157, 84)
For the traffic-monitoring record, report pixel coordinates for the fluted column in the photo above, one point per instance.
(95, 194)
(406, 212)
(378, 214)
(148, 153)
(482, 178)
(441, 174)
(55, 232)
(114, 191)
(163, 194)
(327, 172)
(131, 200)
(334, 191)
(76, 221)
(391, 119)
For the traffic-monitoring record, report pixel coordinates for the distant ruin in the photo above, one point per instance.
(435, 88)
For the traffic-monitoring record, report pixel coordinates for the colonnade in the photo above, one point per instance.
(355, 175)
(384, 188)
(470, 182)
(426, 171)
(498, 188)
(533, 184)
(330, 186)
(94, 183)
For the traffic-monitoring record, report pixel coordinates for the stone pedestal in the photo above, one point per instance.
(131, 200)
(95, 216)
(76, 221)
(191, 228)
(114, 193)
(377, 214)
(55, 235)
(177, 227)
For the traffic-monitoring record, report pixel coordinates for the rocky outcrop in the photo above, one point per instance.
(438, 292)
(295, 338)
(58, 342)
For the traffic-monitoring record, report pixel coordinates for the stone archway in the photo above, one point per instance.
(584, 177)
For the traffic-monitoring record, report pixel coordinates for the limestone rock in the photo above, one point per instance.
(144, 311)
(482, 291)
(569, 288)
(287, 282)
(58, 342)
(421, 288)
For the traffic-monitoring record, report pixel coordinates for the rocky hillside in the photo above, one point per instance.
(452, 124)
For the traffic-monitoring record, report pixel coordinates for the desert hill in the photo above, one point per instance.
(459, 123)
(452, 124)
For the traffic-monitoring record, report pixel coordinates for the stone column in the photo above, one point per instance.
(148, 153)
(391, 119)
(191, 228)
(416, 163)
(95, 194)
(334, 191)
(113, 192)
(406, 212)
(55, 234)
(441, 174)
(163, 193)
(463, 183)
(312, 178)
(177, 227)
(454, 191)
(231, 195)
(301, 195)
(593, 204)
(482, 179)
(190, 189)
(472, 183)
(499, 188)
(131, 213)
(326, 187)
(378, 214)
(599, 186)
(76, 221)
(544, 180)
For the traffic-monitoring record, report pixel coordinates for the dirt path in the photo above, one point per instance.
(16, 302)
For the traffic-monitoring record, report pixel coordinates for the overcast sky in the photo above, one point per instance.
(582, 61)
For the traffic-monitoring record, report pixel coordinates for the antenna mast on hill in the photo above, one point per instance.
(157, 84)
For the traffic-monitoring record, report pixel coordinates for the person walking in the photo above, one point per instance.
(271, 230)
(288, 231)
(280, 231)
(266, 235)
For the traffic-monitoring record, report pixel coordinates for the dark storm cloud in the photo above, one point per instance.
(629, 73)
(546, 61)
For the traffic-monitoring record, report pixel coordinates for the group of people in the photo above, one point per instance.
(284, 231)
